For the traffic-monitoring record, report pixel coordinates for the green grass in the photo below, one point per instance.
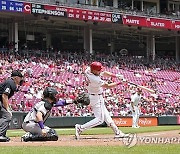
(104, 130)
(143, 149)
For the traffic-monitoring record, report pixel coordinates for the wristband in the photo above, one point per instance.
(118, 83)
(41, 125)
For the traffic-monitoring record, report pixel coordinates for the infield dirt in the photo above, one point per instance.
(91, 140)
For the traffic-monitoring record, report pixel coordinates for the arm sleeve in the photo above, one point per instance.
(60, 103)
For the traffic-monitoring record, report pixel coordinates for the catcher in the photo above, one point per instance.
(34, 121)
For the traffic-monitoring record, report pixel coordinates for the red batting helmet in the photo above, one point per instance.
(97, 66)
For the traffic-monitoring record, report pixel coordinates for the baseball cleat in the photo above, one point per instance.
(121, 135)
(77, 131)
(4, 139)
(26, 137)
(135, 126)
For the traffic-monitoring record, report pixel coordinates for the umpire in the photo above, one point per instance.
(7, 89)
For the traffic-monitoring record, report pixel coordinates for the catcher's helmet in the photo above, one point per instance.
(97, 66)
(51, 93)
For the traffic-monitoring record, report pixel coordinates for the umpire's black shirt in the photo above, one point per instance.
(7, 87)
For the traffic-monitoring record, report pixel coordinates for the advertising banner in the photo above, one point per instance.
(73, 13)
(47, 10)
(134, 20)
(176, 25)
(150, 22)
(143, 121)
(159, 23)
(117, 18)
(123, 121)
(178, 120)
(27, 8)
(89, 15)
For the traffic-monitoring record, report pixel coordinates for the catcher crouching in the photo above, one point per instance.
(34, 121)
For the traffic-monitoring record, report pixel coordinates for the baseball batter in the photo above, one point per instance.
(95, 87)
(135, 99)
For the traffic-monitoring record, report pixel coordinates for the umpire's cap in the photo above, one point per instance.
(16, 73)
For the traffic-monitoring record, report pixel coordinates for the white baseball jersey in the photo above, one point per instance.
(94, 86)
(135, 99)
(94, 82)
(39, 107)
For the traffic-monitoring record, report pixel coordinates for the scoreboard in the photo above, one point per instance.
(89, 15)
(11, 6)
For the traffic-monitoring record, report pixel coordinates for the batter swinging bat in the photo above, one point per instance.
(142, 87)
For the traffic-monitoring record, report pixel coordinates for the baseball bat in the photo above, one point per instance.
(142, 87)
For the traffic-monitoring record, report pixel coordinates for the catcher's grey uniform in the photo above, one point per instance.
(30, 124)
(33, 122)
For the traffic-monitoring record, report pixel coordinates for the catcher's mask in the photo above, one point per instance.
(51, 93)
(97, 66)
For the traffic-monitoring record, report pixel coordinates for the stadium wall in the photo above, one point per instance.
(59, 122)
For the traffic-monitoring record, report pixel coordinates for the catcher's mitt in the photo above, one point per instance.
(82, 99)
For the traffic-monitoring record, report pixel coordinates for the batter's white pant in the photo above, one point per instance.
(101, 114)
(135, 116)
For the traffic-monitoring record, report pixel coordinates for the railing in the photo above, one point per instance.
(106, 9)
